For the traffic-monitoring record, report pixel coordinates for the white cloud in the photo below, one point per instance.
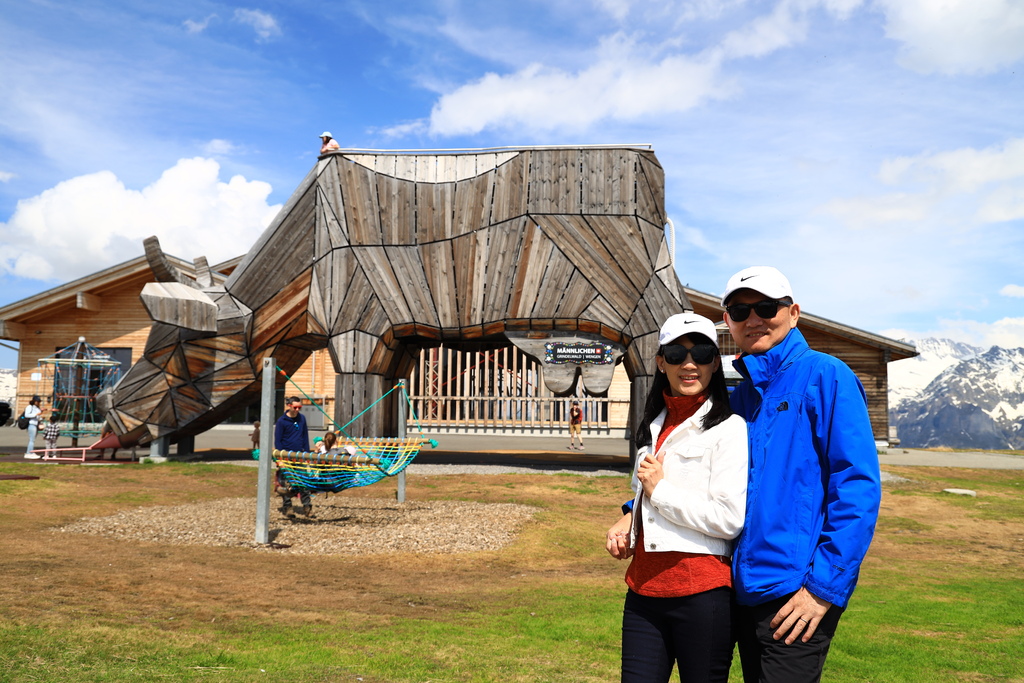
(960, 170)
(766, 34)
(1012, 290)
(956, 36)
(623, 83)
(218, 147)
(623, 77)
(402, 130)
(198, 26)
(94, 221)
(1007, 333)
(7, 176)
(264, 24)
(965, 187)
(619, 9)
(867, 212)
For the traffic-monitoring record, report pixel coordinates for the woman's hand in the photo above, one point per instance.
(650, 473)
(617, 540)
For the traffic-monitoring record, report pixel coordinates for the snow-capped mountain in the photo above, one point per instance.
(909, 377)
(977, 402)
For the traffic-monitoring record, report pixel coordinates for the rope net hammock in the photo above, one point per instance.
(358, 461)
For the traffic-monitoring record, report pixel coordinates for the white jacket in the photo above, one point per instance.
(699, 506)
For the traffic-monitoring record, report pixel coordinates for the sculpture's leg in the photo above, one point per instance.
(354, 392)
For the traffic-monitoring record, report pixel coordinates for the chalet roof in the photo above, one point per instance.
(84, 292)
(898, 349)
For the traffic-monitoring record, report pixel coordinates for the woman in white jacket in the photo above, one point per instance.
(690, 483)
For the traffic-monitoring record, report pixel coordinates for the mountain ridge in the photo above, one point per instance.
(971, 398)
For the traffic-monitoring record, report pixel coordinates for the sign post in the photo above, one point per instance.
(266, 443)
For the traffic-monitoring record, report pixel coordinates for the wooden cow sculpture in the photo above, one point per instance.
(377, 255)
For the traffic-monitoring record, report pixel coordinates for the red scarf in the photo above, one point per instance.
(675, 574)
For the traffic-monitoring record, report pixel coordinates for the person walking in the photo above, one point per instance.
(690, 490)
(51, 433)
(32, 411)
(254, 435)
(291, 433)
(575, 426)
(814, 486)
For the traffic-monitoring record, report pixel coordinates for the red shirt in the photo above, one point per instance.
(675, 574)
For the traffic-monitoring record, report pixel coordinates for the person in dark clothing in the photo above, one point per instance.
(291, 433)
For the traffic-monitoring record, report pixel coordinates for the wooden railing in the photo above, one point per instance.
(504, 412)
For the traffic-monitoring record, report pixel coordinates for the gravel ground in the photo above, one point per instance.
(342, 526)
(442, 470)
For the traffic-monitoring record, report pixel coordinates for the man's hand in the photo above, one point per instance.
(800, 615)
(617, 540)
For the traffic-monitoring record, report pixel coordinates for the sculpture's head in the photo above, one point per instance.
(196, 365)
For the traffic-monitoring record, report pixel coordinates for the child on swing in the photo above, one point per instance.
(329, 441)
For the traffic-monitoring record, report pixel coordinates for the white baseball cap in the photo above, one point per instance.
(326, 134)
(687, 323)
(765, 279)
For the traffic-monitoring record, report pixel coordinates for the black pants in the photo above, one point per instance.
(766, 660)
(693, 632)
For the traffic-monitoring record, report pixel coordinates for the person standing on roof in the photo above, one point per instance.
(329, 144)
(814, 484)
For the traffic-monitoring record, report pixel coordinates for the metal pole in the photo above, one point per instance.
(401, 435)
(266, 443)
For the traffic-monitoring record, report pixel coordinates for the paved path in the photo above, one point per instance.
(971, 459)
(232, 443)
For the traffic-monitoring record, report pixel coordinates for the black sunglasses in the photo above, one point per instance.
(766, 310)
(702, 354)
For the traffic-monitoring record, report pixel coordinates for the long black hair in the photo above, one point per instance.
(718, 394)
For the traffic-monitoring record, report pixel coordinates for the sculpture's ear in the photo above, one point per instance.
(165, 271)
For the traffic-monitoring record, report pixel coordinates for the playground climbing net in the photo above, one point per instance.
(77, 374)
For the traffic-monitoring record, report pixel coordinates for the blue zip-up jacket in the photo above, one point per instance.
(814, 486)
(291, 433)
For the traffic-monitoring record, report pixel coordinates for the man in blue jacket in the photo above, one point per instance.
(813, 489)
(291, 433)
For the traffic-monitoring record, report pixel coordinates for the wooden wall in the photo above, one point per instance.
(121, 322)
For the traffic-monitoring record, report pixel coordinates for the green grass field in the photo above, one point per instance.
(940, 595)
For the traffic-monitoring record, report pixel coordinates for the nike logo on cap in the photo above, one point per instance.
(744, 279)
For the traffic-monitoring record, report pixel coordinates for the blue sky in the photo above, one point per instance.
(871, 149)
